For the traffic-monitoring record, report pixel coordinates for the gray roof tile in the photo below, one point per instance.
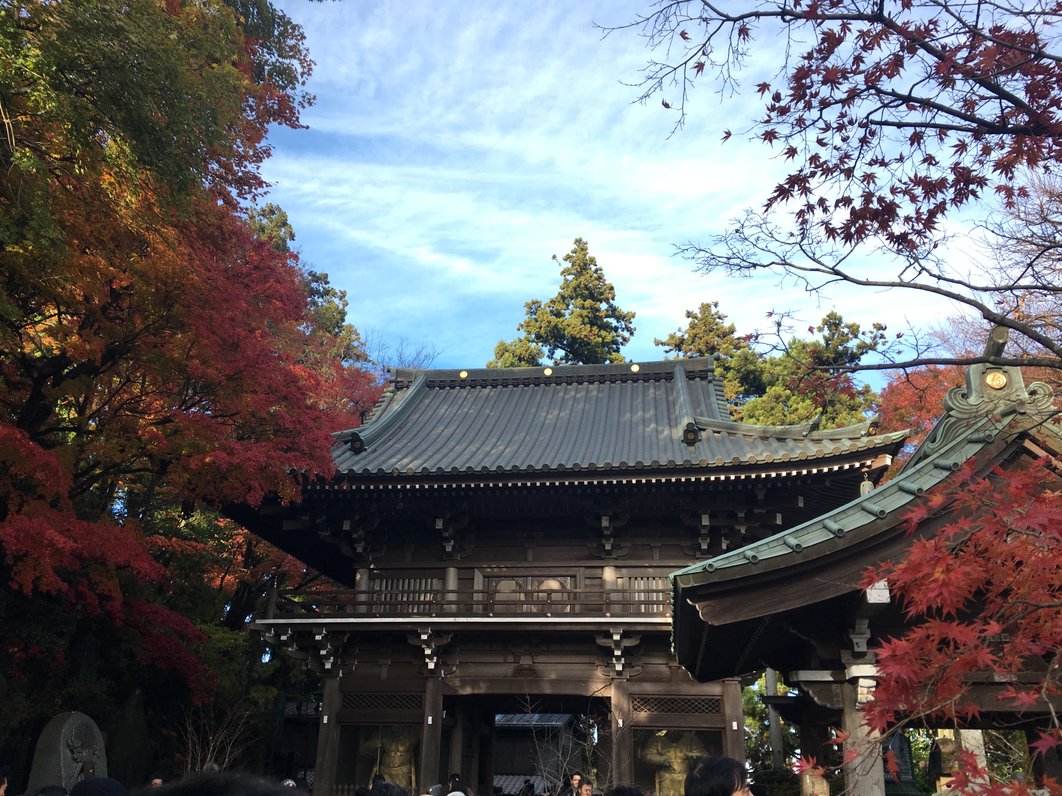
(573, 418)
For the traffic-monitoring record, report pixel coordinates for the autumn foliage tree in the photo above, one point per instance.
(896, 115)
(899, 116)
(154, 351)
(983, 596)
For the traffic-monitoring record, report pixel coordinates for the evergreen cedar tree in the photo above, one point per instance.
(581, 325)
(154, 350)
(894, 115)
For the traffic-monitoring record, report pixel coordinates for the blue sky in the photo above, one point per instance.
(456, 146)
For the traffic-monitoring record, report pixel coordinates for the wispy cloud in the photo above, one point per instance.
(456, 146)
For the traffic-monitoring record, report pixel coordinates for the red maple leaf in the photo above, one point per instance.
(1047, 741)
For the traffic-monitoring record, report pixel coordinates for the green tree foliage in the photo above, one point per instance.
(517, 353)
(581, 325)
(327, 305)
(758, 729)
(270, 223)
(708, 334)
(806, 380)
(810, 379)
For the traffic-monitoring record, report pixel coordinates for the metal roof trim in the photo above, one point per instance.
(545, 374)
(808, 431)
(586, 475)
(361, 438)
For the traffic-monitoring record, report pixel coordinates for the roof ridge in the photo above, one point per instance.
(698, 367)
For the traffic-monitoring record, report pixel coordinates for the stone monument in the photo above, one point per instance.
(69, 750)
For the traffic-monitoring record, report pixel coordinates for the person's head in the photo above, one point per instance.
(586, 788)
(577, 778)
(155, 780)
(378, 779)
(99, 786)
(717, 776)
(219, 783)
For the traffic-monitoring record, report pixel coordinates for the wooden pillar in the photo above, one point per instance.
(362, 590)
(450, 591)
(774, 722)
(324, 770)
(472, 775)
(815, 738)
(430, 734)
(864, 774)
(734, 732)
(486, 753)
(622, 736)
(457, 741)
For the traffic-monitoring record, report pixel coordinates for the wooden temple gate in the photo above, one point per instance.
(504, 539)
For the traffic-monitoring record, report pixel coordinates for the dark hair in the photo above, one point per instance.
(624, 790)
(222, 783)
(578, 774)
(99, 786)
(585, 783)
(715, 776)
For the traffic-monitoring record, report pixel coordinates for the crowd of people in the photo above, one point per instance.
(709, 776)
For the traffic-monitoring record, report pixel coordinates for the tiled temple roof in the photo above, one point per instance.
(650, 416)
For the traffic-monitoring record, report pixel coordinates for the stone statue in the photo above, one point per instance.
(672, 753)
(69, 750)
(391, 748)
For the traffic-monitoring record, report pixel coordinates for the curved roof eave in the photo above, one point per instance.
(970, 424)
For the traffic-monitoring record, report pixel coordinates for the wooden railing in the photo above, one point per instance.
(401, 603)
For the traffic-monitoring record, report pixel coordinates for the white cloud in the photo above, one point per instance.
(456, 147)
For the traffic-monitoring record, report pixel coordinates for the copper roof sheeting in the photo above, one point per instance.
(603, 417)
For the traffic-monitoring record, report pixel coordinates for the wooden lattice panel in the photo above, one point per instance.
(382, 702)
(696, 706)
